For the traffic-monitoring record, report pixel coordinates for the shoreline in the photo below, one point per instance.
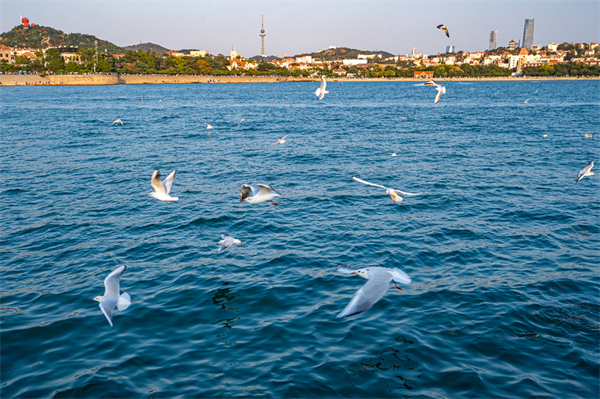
(101, 80)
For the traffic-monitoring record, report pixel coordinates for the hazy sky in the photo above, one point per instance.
(294, 27)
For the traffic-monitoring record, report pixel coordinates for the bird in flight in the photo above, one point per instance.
(258, 194)
(440, 89)
(227, 240)
(208, 126)
(391, 192)
(118, 121)
(320, 92)
(111, 297)
(374, 289)
(162, 189)
(585, 172)
(280, 141)
(444, 28)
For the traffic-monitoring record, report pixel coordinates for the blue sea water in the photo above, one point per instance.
(502, 243)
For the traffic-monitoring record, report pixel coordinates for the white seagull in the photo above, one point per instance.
(208, 126)
(391, 192)
(258, 194)
(585, 172)
(280, 141)
(226, 241)
(117, 122)
(440, 89)
(320, 92)
(111, 297)
(162, 189)
(240, 123)
(374, 289)
(390, 153)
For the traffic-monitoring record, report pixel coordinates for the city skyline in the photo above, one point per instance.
(301, 27)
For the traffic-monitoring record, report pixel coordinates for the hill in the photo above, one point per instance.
(343, 53)
(32, 38)
(148, 47)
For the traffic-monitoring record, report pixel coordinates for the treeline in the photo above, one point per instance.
(142, 62)
(566, 69)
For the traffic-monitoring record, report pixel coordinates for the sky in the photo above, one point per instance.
(295, 27)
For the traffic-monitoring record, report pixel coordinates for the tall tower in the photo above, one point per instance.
(528, 34)
(262, 39)
(493, 40)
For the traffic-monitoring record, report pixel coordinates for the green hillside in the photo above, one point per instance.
(343, 53)
(32, 37)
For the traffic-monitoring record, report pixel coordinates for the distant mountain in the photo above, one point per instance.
(148, 47)
(343, 53)
(32, 38)
(269, 58)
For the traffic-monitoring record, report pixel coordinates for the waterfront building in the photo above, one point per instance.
(528, 33)
(493, 40)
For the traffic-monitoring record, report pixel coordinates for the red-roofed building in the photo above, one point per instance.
(423, 74)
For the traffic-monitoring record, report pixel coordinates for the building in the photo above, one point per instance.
(423, 74)
(354, 62)
(307, 59)
(415, 53)
(69, 54)
(172, 53)
(493, 40)
(528, 34)
(513, 45)
(450, 49)
(199, 53)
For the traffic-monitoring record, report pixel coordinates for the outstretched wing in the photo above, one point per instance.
(405, 193)
(439, 94)
(156, 183)
(169, 181)
(107, 312)
(267, 189)
(366, 182)
(111, 282)
(367, 295)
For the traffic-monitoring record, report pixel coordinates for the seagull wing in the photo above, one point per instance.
(226, 241)
(111, 283)
(439, 95)
(447, 33)
(366, 182)
(278, 141)
(283, 138)
(323, 84)
(266, 189)
(399, 276)
(169, 181)
(367, 295)
(156, 183)
(405, 193)
(107, 312)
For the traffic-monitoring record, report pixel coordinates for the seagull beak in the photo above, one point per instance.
(353, 273)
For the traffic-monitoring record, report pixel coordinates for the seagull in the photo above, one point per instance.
(111, 297)
(391, 192)
(243, 119)
(226, 241)
(374, 289)
(280, 141)
(440, 89)
(391, 153)
(589, 136)
(320, 92)
(162, 189)
(585, 172)
(526, 101)
(208, 126)
(117, 122)
(258, 194)
(545, 135)
(445, 28)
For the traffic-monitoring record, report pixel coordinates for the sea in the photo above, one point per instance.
(502, 245)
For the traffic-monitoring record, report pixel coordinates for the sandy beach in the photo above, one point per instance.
(85, 80)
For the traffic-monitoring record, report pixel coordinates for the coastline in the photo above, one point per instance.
(99, 79)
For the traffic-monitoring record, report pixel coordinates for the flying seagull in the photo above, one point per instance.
(241, 120)
(117, 122)
(258, 194)
(390, 153)
(226, 241)
(445, 28)
(374, 289)
(111, 297)
(208, 126)
(320, 92)
(391, 192)
(587, 171)
(440, 89)
(162, 189)
(280, 141)
(589, 136)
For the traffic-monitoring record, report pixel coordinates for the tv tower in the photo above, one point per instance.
(262, 39)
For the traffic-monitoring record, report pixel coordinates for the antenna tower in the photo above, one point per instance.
(262, 39)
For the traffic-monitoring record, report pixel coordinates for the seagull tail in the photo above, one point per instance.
(123, 302)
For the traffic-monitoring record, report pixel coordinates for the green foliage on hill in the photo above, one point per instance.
(343, 53)
(148, 47)
(33, 37)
